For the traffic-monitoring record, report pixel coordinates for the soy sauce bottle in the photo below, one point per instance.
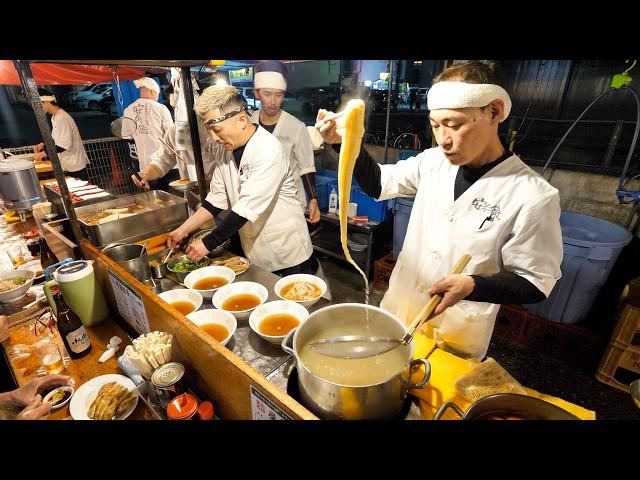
(71, 329)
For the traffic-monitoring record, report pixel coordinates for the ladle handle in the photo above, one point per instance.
(428, 309)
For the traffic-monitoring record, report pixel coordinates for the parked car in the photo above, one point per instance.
(81, 98)
(92, 101)
(108, 105)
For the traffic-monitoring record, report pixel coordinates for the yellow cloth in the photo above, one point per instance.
(446, 368)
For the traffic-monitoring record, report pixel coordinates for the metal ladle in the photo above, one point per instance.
(361, 346)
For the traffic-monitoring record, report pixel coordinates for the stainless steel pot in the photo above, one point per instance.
(504, 405)
(133, 258)
(330, 400)
(19, 186)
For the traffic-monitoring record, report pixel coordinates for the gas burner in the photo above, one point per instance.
(293, 390)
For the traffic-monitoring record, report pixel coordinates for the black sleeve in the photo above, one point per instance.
(215, 211)
(368, 174)
(504, 287)
(309, 182)
(230, 225)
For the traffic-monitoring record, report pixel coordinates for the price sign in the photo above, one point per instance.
(130, 306)
(264, 409)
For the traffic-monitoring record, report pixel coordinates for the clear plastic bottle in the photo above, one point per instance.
(333, 201)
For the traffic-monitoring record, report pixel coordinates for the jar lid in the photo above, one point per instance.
(182, 407)
(205, 411)
(73, 271)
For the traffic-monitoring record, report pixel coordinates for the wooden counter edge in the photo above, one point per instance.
(221, 374)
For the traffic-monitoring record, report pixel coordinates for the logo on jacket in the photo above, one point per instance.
(493, 211)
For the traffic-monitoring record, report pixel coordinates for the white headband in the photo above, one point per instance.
(147, 82)
(47, 98)
(462, 95)
(269, 80)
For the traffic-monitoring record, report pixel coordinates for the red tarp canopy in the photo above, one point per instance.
(60, 74)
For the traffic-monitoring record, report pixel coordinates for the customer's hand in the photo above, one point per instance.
(331, 130)
(175, 237)
(36, 410)
(453, 288)
(314, 211)
(197, 251)
(25, 396)
(4, 328)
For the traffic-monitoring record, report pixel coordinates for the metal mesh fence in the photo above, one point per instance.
(110, 165)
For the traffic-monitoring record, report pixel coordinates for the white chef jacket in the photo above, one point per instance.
(262, 190)
(66, 135)
(164, 159)
(296, 143)
(523, 237)
(153, 120)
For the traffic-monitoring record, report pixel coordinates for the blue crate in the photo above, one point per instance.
(375, 210)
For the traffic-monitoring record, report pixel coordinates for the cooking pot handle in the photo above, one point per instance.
(285, 346)
(444, 407)
(427, 372)
(111, 245)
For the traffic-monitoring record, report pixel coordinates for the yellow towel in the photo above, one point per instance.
(446, 368)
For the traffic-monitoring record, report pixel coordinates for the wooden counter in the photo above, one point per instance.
(81, 370)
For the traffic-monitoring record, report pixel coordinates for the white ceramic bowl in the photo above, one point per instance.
(210, 315)
(301, 277)
(271, 308)
(237, 288)
(20, 291)
(50, 395)
(204, 272)
(182, 295)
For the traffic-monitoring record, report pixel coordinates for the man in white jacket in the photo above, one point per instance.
(153, 120)
(255, 186)
(472, 196)
(270, 86)
(66, 136)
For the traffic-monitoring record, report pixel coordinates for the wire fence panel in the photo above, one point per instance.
(110, 165)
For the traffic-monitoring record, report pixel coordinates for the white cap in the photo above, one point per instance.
(47, 98)
(147, 82)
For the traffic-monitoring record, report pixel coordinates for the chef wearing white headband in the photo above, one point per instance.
(270, 85)
(66, 137)
(474, 197)
(153, 121)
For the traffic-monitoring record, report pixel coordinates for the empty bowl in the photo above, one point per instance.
(280, 325)
(210, 316)
(243, 295)
(203, 274)
(288, 282)
(183, 299)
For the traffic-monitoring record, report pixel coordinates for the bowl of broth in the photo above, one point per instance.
(240, 298)
(273, 320)
(219, 324)
(301, 288)
(207, 280)
(184, 300)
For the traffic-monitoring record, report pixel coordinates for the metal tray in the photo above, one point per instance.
(169, 211)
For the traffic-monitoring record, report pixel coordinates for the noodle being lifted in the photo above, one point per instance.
(351, 143)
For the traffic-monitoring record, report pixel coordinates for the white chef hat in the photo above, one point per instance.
(270, 74)
(462, 95)
(147, 82)
(46, 95)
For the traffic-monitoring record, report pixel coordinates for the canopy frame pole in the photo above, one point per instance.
(193, 129)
